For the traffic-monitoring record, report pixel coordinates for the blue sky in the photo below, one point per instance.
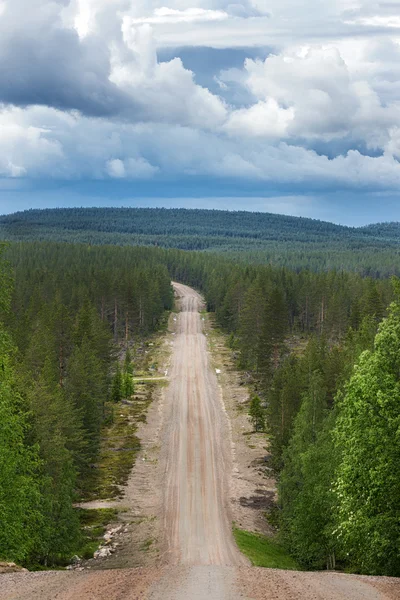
(258, 105)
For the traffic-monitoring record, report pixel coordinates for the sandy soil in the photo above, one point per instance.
(252, 486)
(274, 584)
(119, 584)
(195, 472)
(197, 457)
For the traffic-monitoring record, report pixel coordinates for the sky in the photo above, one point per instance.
(269, 105)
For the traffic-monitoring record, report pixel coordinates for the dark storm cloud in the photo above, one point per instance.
(43, 63)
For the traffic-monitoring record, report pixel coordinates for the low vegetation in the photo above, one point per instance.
(263, 551)
(93, 523)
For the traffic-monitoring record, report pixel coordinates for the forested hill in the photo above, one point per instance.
(294, 242)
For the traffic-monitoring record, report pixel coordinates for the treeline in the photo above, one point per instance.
(292, 242)
(329, 387)
(251, 300)
(68, 309)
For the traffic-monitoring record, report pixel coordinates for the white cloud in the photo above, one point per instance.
(264, 119)
(25, 148)
(109, 70)
(377, 21)
(130, 168)
(311, 93)
(189, 15)
(96, 102)
(44, 142)
(115, 168)
(161, 91)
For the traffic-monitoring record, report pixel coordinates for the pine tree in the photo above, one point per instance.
(272, 335)
(21, 514)
(86, 388)
(284, 399)
(117, 391)
(257, 414)
(250, 322)
(56, 429)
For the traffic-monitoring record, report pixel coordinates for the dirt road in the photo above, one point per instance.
(203, 562)
(197, 450)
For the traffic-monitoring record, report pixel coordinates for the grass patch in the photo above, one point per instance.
(145, 547)
(93, 526)
(263, 551)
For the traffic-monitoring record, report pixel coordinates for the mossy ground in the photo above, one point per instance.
(119, 445)
(119, 442)
(93, 526)
(263, 551)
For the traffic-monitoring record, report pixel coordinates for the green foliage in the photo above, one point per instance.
(73, 309)
(367, 481)
(261, 238)
(21, 514)
(305, 494)
(339, 485)
(128, 388)
(127, 385)
(57, 431)
(93, 523)
(117, 391)
(284, 398)
(86, 387)
(257, 414)
(128, 366)
(263, 551)
(67, 306)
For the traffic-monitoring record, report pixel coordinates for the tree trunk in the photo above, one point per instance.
(115, 320)
(126, 328)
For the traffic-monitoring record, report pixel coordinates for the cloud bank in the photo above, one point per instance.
(86, 96)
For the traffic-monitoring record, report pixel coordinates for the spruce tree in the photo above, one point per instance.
(257, 414)
(117, 391)
(21, 509)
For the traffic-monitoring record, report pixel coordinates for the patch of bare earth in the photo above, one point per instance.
(274, 584)
(253, 488)
(120, 584)
(138, 540)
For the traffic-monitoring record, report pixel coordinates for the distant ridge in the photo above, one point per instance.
(255, 237)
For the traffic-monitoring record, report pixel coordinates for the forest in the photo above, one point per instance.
(321, 348)
(259, 238)
(66, 311)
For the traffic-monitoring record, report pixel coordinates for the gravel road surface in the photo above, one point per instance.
(197, 449)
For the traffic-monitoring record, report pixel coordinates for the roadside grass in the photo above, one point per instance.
(93, 526)
(146, 545)
(119, 443)
(263, 551)
(118, 449)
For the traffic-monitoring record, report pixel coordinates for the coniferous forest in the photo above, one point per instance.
(64, 309)
(321, 348)
(293, 242)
